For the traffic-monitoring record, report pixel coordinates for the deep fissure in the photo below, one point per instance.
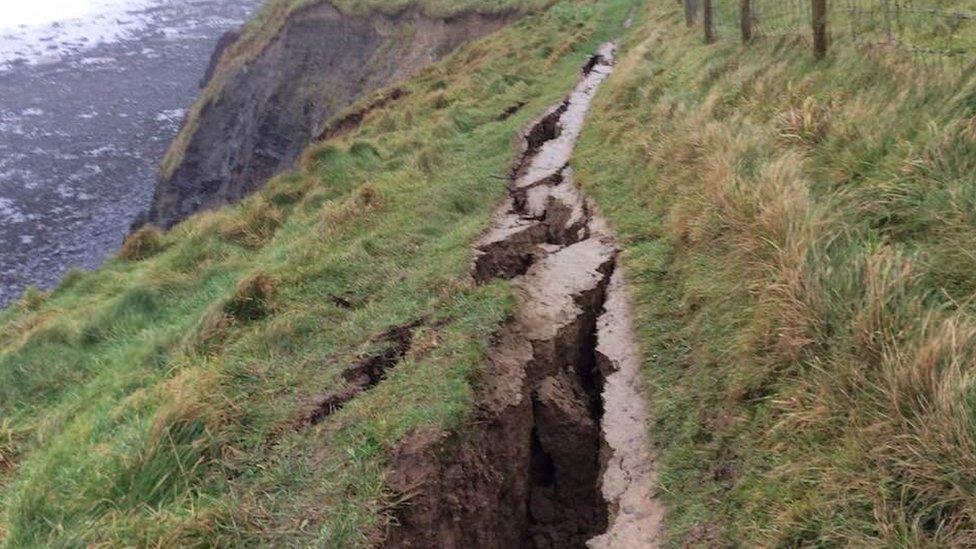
(565, 504)
(545, 215)
(546, 129)
(532, 470)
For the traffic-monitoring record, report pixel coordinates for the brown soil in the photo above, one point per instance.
(510, 111)
(557, 454)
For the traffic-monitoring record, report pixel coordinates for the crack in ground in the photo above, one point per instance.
(353, 120)
(533, 470)
(364, 376)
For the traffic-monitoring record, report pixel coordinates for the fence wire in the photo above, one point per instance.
(935, 33)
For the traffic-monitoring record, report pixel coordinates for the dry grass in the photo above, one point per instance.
(142, 244)
(809, 333)
(255, 224)
(254, 298)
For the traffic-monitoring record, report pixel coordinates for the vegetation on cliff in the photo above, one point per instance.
(267, 25)
(176, 396)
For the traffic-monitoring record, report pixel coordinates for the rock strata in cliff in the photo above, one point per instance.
(260, 116)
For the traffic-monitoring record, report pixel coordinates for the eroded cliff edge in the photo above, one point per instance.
(257, 118)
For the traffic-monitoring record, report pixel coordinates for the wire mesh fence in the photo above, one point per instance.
(937, 33)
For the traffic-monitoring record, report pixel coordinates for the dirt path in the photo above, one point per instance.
(558, 456)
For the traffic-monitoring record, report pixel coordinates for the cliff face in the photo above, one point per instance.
(268, 110)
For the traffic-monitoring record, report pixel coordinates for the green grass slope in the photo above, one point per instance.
(800, 239)
(159, 400)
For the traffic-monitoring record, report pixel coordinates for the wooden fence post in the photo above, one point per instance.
(691, 12)
(820, 28)
(889, 32)
(745, 20)
(708, 18)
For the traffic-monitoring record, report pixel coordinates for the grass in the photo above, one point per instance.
(938, 32)
(155, 402)
(797, 236)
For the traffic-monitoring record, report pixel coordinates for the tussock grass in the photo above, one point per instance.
(796, 235)
(255, 222)
(254, 298)
(144, 243)
(154, 402)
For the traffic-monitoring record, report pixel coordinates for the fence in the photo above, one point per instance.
(940, 33)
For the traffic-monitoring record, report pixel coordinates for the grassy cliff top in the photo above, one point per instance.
(799, 237)
(164, 400)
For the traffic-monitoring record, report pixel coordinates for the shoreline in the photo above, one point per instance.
(81, 138)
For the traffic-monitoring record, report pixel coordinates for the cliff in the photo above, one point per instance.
(256, 117)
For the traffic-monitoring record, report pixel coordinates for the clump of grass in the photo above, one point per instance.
(337, 215)
(32, 299)
(808, 122)
(254, 298)
(210, 333)
(287, 189)
(146, 242)
(10, 442)
(257, 221)
(429, 158)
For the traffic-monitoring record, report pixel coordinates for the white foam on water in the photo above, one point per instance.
(171, 118)
(17, 13)
(44, 31)
(9, 212)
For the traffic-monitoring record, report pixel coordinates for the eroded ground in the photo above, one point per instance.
(558, 455)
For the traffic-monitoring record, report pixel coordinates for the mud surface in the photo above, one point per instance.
(87, 109)
(557, 456)
(267, 111)
(630, 476)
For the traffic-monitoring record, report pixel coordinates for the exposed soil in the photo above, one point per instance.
(364, 375)
(267, 111)
(557, 455)
(510, 111)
